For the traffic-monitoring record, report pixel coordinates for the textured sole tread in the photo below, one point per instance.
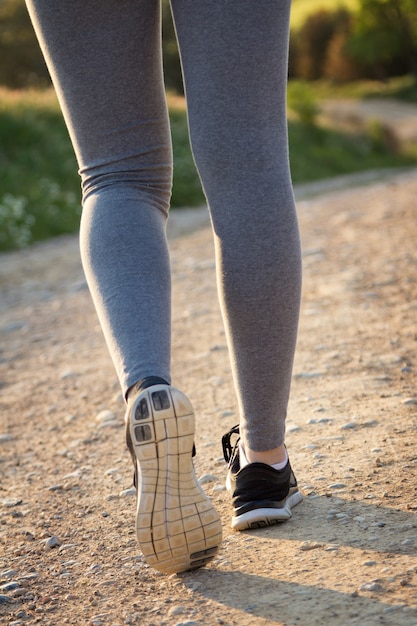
(177, 527)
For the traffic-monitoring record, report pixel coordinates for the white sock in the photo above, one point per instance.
(244, 461)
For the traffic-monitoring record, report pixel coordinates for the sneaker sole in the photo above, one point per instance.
(177, 527)
(260, 518)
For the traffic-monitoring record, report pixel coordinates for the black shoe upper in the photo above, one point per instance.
(256, 485)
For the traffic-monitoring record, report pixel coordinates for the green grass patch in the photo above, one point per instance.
(40, 188)
(402, 88)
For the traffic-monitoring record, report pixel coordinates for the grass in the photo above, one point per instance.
(400, 88)
(39, 184)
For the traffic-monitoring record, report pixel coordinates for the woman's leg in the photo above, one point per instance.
(105, 61)
(234, 56)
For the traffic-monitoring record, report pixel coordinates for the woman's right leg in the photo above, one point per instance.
(105, 60)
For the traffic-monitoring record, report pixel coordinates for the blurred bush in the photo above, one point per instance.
(21, 61)
(378, 41)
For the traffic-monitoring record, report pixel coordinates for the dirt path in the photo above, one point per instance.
(348, 556)
(399, 117)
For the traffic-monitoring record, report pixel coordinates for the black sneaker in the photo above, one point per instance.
(177, 527)
(261, 495)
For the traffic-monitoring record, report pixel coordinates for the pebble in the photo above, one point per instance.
(67, 546)
(349, 426)
(128, 492)
(10, 502)
(322, 420)
(52, 542)
(310, 545)
(308, 375)
(13, 584)
(176, 610)
(410, 401)
(67, 374)
(8, 573)
(337, 486)
(373, 586)
(112, 471)
(58, 487)
(5, 437)
(5, 599)
(12, 326)
(105, 416)
(207, 478)
(369, 563)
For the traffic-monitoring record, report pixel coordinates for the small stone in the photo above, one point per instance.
(112, 471)
(5, 599)
(128, 492)
(5, 437)
(410, 401)
(370, 423)
(110, 424)
(11, 502)
(67, 374)
(8, 573)
(105, 416)
(308, 375)
(13, 584)
(337, 486)
(369, 563)
(58, 487)
(207, 478)
(67, 546)
(176, 610)
(310, 545)
(293, 428)
(349, 426)
(52, 542)
(373, 586)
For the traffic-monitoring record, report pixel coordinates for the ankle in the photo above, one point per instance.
(149, 381)
(269, 457)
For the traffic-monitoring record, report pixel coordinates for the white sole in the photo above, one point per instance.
(260, 518)
(177, 527)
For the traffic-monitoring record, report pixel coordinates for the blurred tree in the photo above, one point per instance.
(21, 61)
(309, 46)
(385, 36)
(172, 66)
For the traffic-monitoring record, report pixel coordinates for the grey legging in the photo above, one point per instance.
(105, 61)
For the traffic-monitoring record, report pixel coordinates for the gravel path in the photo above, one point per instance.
(348, 556)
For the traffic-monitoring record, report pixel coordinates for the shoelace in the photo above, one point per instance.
(229, 451)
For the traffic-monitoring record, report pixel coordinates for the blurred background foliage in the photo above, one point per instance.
(340, 40)
(338, 48)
